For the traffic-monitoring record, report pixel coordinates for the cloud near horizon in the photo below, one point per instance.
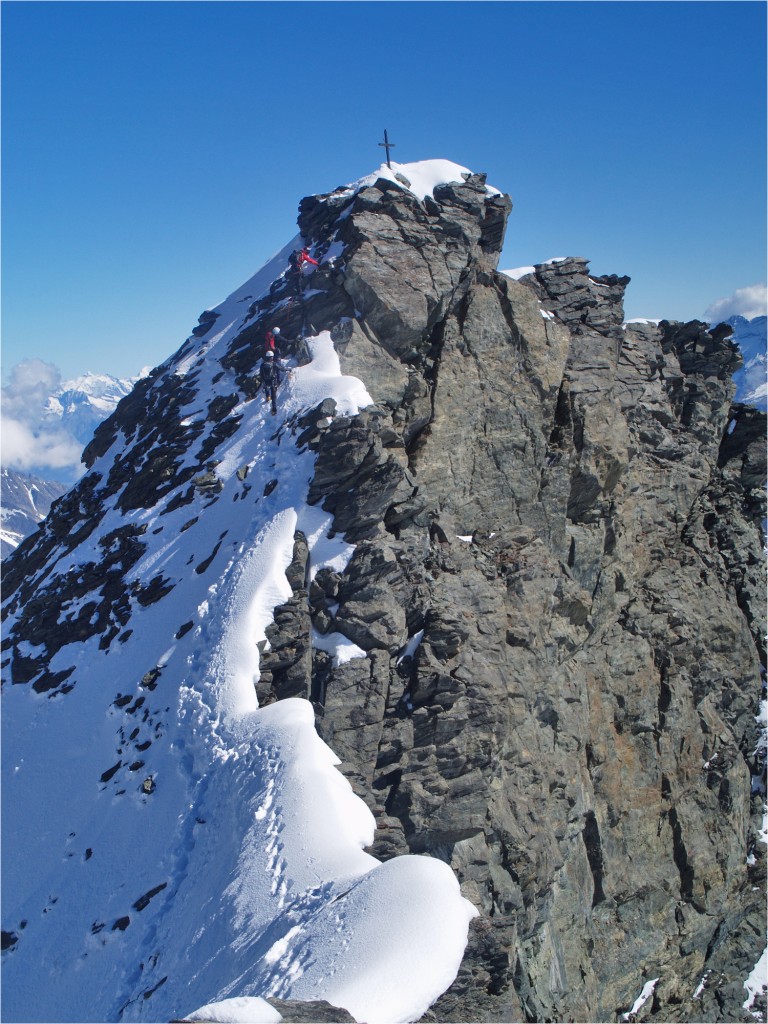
(748, 302)
(31, 441)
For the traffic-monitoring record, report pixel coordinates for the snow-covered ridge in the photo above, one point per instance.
(252, 877)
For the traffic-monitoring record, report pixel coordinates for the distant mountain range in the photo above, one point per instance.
(77, 406)
(751, 382)
(81, 404)
(26, 500)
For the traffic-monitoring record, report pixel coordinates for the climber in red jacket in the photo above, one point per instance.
(302, 258)
(306, 258)
(299, 259)
(272, 339)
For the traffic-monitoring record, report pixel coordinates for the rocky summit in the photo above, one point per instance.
(556, 586)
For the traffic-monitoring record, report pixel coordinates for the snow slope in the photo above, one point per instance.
(167, 843)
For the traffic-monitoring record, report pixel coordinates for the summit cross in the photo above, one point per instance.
(387, 146)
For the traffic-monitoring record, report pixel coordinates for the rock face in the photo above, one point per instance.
(574, 733)
(558, 580)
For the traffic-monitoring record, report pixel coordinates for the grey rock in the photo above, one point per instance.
(286, 666)
(595, 645)
(316, 1011)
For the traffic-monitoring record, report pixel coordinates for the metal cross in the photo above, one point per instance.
(387, 146)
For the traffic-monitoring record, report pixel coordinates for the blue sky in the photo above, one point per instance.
(154, 153)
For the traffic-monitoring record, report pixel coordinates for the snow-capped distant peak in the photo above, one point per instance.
(82, 403)
(752, 378)
(95, 384)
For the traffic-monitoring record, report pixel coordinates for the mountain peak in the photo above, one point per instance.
(421, 178)
(488, 549)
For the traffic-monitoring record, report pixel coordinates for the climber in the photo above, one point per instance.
(272, 339)
(271, 377)
(298, 260)
(303, 258)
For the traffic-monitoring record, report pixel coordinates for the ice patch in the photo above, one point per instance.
(412, 645)
(338, 646)
(645, 995)
(757, 984)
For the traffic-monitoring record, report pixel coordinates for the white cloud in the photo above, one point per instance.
(26, 449)
(29, 384)
(31, 440)
(748, 302)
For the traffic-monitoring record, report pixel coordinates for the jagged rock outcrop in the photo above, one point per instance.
(556, 503)
(557, 580)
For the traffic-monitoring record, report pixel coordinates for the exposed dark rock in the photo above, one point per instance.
(221, 406)
(208, 482)
(316, 1011)
(155, 590)
(205, 322)
(143, 901)
(286, 667)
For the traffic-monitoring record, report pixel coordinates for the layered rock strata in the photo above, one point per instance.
(566, 510)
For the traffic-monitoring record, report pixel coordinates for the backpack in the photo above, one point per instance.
(269, 374)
